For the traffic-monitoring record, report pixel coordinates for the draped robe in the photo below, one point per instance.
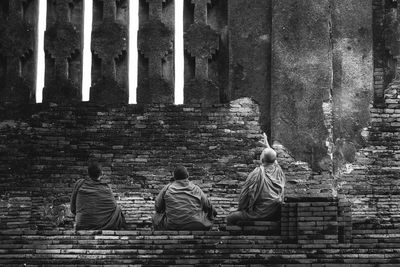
(262, 193)
(95, 207)
(182, 205)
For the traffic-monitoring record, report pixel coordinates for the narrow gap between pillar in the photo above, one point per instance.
(40, 60)
(133, 50)
(179, 53)
(87, 54)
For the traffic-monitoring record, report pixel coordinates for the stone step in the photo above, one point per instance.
(259, 227)
(187, 248)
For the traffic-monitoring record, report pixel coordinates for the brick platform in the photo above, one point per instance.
(256, 227)
(308, 232)
(316, 220)
(191, 249)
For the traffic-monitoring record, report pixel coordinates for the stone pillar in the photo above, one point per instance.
(302, 78)
(201, 42)
(352, 75)
(17, 42)
(62, 40)
(155, 41)
(109, 42)
(250, 53)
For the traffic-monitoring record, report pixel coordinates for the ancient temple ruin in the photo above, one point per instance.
(321, 77)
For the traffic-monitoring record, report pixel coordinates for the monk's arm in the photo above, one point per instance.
(207, 206)
(244, 196)
(283, 183)
(160, 202)
(266, 141)
(246, 192)
(73, 198)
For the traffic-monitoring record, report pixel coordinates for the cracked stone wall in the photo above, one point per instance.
(301, 78)
(321, 79)
(322, 90)
(250, 24)
(352, 76)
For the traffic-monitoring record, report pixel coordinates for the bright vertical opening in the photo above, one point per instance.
(40, 61)
(133, 50)
(87, 53)
(179, 52)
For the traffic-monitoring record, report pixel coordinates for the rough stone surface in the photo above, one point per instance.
(109, 44)
(250, 53)
(301, 77)
(62, 41)
(17, 44)
(155, 43)
(352, 75)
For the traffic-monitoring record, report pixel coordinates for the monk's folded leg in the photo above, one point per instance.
(159, 221)
(120, 222)
(235, 217)
(117, 222)
(185, 205)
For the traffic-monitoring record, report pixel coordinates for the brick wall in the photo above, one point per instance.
(371, 181)
(45, 149)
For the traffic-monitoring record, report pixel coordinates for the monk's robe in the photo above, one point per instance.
(182, 205)
(95, 207)
(262, 193)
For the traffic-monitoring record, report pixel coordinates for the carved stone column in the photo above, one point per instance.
(201, 41)
(155, 41)
(17, 42)
(109, 41)
(62, 40)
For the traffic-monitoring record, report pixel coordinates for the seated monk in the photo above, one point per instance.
(94, 204)
(182, 205)
(262, 193)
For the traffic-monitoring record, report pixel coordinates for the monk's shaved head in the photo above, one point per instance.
(94, 170)
(268, 156)
(180, 173)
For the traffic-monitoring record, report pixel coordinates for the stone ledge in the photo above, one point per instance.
(292, 199)
(187, 248)
(270, 228)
